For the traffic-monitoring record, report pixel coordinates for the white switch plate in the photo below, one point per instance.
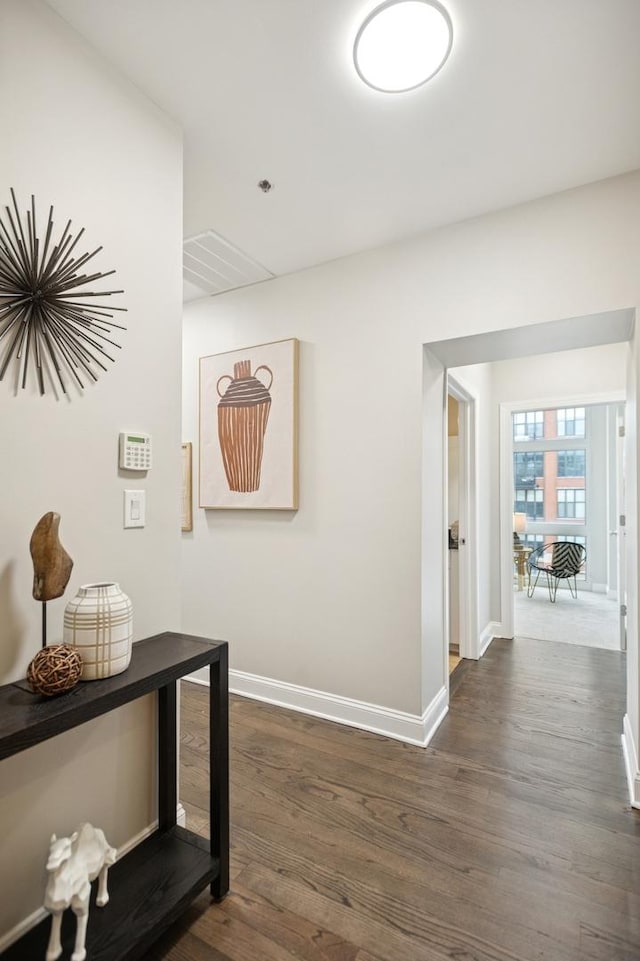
(134, 508)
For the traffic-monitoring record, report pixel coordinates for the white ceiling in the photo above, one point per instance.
(536, 97)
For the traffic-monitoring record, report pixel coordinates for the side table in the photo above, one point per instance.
(151, 885)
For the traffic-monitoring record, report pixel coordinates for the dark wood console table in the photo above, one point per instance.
(151, 885)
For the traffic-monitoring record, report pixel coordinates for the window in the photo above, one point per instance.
(571, 503)
(550, 449)
(533, 540)
(572, 540)
(570, 422)
(530, 502)
(527, 465)
(528, 425)
(571, 463)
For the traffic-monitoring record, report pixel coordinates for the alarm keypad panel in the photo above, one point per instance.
(135, 450)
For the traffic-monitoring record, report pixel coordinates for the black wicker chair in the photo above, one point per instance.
(561, 560)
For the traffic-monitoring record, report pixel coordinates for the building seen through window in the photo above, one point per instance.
(528, 425)
(571, 463)
(570, 422)
(549, 474)
(571, 503)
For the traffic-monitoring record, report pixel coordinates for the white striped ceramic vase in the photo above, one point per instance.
(98, 622)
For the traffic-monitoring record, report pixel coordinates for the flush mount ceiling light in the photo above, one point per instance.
(402, 44)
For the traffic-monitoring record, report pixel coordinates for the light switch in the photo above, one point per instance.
(134, 508)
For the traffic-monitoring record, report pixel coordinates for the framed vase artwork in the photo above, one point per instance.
(248, 428)
(186, 500)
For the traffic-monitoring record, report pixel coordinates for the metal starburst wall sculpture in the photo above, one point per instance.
(47, 322)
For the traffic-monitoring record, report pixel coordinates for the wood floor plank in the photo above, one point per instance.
(394, 930)
(607, 945)
(186, 947)
(509, 839)
(303, 939)
(487, 904)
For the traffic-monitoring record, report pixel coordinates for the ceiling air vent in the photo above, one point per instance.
(211, 265)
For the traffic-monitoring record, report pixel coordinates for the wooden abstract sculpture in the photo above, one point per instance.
(51, 564)
(73, 864)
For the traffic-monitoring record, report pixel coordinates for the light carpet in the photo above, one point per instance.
(591, 620)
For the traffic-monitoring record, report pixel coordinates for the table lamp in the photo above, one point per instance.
(519, 527)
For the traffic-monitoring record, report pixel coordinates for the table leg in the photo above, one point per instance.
(167, 757)
(219, 770)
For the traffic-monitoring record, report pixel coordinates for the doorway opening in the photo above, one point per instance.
(461, 513)
(592, 358)
(566, 504)
(581, 354)
(453, 528)
(562, 477)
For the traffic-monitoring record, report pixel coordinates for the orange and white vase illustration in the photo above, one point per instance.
(243, 412)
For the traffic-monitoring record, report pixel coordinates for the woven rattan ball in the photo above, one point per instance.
(54, 670)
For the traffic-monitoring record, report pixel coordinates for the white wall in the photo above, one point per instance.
(615, 413)
(632, 572)
(330, 597)
(429, 652)
(597, 503)
(590, 370)
(81, 138)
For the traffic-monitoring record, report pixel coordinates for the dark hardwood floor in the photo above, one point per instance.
(509, 839)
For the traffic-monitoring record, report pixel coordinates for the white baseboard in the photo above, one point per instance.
(16, 932)
(631, 762)
(599, 589)
(493, 629)
(411, 728)
(21, 928)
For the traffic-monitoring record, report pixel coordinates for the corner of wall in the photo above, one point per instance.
(630, 752)
(493, 629)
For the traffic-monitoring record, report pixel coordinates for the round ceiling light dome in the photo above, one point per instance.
(402, 44)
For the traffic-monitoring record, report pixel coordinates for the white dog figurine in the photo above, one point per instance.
(72, 865)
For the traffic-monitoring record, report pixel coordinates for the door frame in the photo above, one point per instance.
(507, 408)
(469, 641)
(621, 523)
